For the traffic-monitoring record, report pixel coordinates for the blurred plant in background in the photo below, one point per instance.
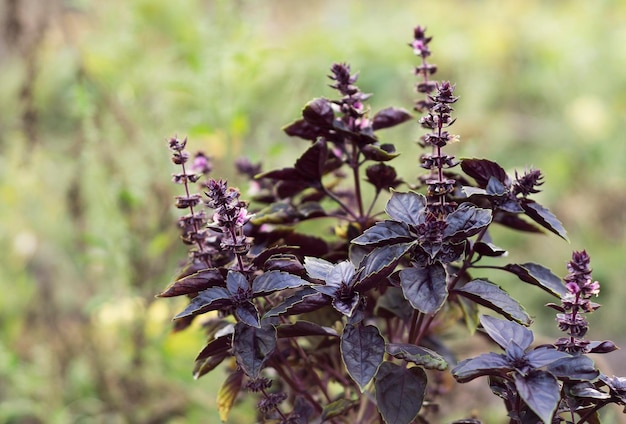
(89, 88)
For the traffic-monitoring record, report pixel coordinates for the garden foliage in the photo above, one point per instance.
(346, 325)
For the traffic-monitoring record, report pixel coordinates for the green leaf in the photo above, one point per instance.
(276, 213)
(466, 221)
(425, 287)
(338, 408)
(377, 153)
(207, 300)
(491, 296)
(385, 232)
(272, 281)
(228, 393)
(541, 392)
(539, 276)
(400, 392)
(545, 218)
(418, 355)
(407, 207)
(362, 350)
(379, 264)
(252, 347)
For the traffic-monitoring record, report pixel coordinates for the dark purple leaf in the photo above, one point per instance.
(317, 268)
(544, 217)
(285, 263)
(204, 366)
(485, 364)
(466, 221)
(272, 281)
(236, 283)
(538, 275)
(541, 392)
(495, 187)
(319, 112)
(574, 368)
(418, 355)
(288, 189)
(394, 302)
(304, 329)
(382, 176)
(488, 249)
(252, 346)
(605, 346)
(309, 210)
(216, 346)
(264, 255)
(542, 356)
(586, 390)
(301, 128)
(379, 264)
(399, 392)
(362, 350)
(390, 117)
(311, 164)
(407, 207)
(482, 169)
(425, 288)
(194, 283)
(385, 232)
(504, 332)
(208, 300)
(491, 296)
(346, 306)
(248, 314)
(341, 273)
(515, 222)
(291, 302)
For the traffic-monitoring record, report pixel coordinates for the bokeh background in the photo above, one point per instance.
(91, 90)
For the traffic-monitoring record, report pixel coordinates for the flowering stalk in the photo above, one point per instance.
(193, 224)
(575, 302)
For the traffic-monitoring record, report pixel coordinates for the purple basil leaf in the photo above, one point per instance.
(484, 364)
(252, 346)
(247, 313)
(342, 273)
(544, 217)
(319, 112)
(317, 268)
(538, 275)
(514, 222)
(217, 346)
(303, 129)
(400, 392)
(204, 366)
(311, 164)
(385, 232)
(236, 282)
(541, 392)
(605, 346)
(304, 329)
(574, 368)
(379, 263)
(287, 174)
(290, 302)
(586, 390)
(207, 300)
(390, 117)
(194, 283)
(542, 356)
(488, 249)
(491, 296)
(504, 332)
(346, 306)
(407, 207)
(272, 281)
(495, 187)
(338, 408)
(466, 221)
(362, 350)
(482, 169)
(418, 355)
(425, 287)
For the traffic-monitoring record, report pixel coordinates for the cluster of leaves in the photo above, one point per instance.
(348, 328)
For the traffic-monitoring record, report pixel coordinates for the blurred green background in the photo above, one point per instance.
(91, 90)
